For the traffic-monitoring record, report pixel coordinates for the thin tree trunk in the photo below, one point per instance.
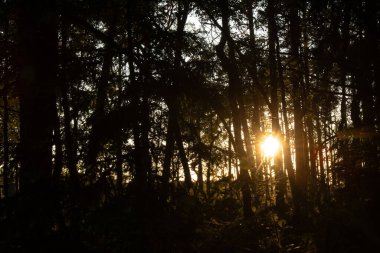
(344, 143)
(119, 164)
(200, 174)
(229, 154)
(230, 67)
(321, 159)
(145, 127)
(256, 129)
(173, 105)
(94, 145)
(6, 170)
(58, 153)
(119, 138)
(295, 78)
(200, 162)
(208, 180)
(253, 69)
(276, 130)
(369, 97)
(309, 146)
(6, 146)
(286, 145)
(70, 151)
(169, 150)
(182, 156)
(140, 171)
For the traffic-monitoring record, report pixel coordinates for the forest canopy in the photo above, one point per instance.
(190, 125)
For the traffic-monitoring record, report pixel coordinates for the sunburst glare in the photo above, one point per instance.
(270, 146)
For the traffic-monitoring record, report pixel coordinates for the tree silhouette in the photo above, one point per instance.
(138, 126)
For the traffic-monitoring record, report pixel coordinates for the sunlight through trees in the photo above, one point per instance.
(270, 146)
(189, 125)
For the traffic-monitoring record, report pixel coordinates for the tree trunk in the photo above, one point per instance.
(119, 163)
(309, 145)
(276, 130)
(322, 173)
(58, 153)
(199, 158)
(95, 141)
(6, 169)
(200, 175)
(230, 67)
(36, 63)
(119, 135)
(182, 156)
(145, 126)
(255, 124)
(70, 151)
(368, 78)
(174, 132)
(6, 146)
(169, 150)
(343, 142)
(295, 78)
(140, 172)
(286, 145)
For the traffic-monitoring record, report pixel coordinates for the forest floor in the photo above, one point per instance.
(187, 224)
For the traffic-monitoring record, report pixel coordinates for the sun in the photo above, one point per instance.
(270, 146)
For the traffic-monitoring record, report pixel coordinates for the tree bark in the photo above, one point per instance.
(169, 150)
(58, 153)
(95, 141)
(230, 67)
(36, 65)
(174, 132)
(6, 171)
(70, 151)
(182, 156)
(286, 145)
(6, 168)
(295, 78)
(276, 130)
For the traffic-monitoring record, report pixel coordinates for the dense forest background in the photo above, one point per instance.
(137, 126)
